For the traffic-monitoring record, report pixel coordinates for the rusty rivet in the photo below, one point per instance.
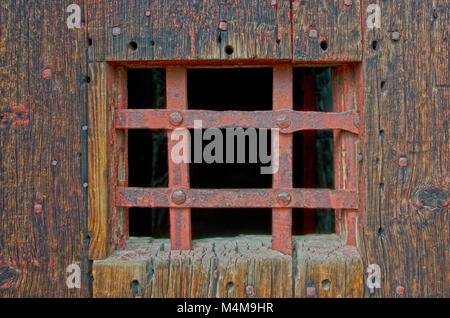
(313, 34)
(249, 290)
(147, 12)
(311, 291)
(403, 161)
(223, 25)
(360, 158)
(284, 198)
(400, 290)
(348, 3)
(176, 118)
(395, 35)
(38, 208)
(47, 73)
(116, 31)
(179, 197)
(283, 121)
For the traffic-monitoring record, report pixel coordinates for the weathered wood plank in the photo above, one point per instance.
(407, 151)
(188, 30)
(98, 201)
(43, 151)
(325, 267)
(326, 31)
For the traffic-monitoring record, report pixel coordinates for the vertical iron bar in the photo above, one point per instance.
(180, 219)
(282, 217)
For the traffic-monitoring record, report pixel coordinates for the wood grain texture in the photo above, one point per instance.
(406, 116)
(326, 267)
(334, 22)
(43, 150)
(98, 200)
(188, 30)
(238, 267)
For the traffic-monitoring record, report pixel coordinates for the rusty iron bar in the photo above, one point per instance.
(180, 218)
(282, 216)
(287, 120)
(283, 198)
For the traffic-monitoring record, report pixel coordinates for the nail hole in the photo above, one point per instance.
(381, 133)
(135, 287)
(278, 41)
(133, 45)
(326, 284)
(87, 79)
(230, 286)
(374, 45)
(90, 42)
(324, 45)
(152, 43)
(219, 37)
(229, 50)
(381, 187)
(380, 231)
(382, 84)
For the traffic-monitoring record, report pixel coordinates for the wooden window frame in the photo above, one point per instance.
(109, 120)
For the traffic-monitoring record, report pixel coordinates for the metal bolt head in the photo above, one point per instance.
(176, 118)
(250, 290)
(223, 25)
(348, 3)
(54, 162)
(85, 185)
(360, 158)
(403, 162)
(283, 121)
(38, 208)
(47, 73)
(284, 198)
(179, 197)
(395, 36)
(116, 31)
(400, 290)
(84, 127)
(313, 33)
(310, 291)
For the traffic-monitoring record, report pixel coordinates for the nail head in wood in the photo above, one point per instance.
(313, 33)
(116, 31)
(223, 25)
(395, 36)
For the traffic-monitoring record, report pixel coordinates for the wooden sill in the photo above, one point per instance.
(244, 266)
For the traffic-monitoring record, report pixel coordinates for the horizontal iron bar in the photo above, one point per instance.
(289, 120)
(236, 198)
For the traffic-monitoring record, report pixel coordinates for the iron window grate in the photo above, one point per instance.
(282, 197)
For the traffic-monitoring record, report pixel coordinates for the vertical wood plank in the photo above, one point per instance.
(98, 200)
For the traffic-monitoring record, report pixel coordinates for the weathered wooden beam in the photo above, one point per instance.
(326, 267)
(327, 31)
(189, 30)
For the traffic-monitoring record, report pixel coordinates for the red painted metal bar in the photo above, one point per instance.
(282, 217)
(180, 218)
(298, 120)
(283, 198)
(309, 152)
